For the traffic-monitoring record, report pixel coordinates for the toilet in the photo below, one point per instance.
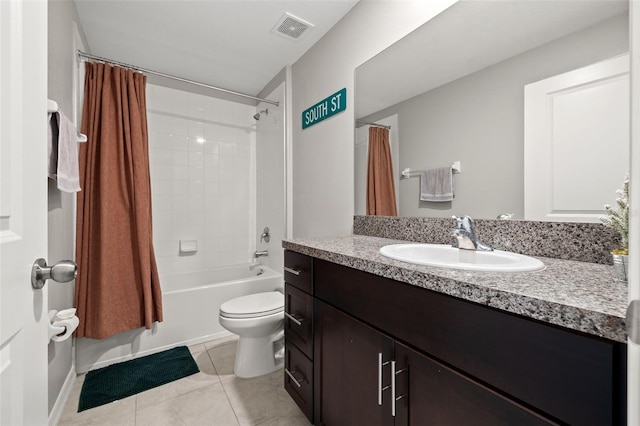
(258, 319)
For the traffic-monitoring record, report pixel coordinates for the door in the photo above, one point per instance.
(23, 210)
(347, 371)
(430, 393)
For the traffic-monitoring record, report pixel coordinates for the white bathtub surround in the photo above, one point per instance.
(191, 307)
(202, 157)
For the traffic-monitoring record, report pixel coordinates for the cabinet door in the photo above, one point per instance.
(432, 394)
(346, 370)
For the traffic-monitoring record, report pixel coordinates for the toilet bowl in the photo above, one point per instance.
(258, 320)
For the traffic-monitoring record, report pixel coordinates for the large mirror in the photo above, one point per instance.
(454, 91)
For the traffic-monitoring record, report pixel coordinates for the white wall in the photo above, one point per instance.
(61, 206)
(323, 155)
(270, 178)
(202, 160)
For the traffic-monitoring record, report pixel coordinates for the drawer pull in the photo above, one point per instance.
(291, 271)
(297, 382)
(297, 321)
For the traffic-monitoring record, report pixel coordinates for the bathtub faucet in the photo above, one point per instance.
(260, 253)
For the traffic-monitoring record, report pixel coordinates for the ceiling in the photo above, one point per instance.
(467, 37)
(224, 43)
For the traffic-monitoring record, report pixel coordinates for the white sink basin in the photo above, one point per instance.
(445, 256)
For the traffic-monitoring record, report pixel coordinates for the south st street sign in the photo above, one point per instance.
(325, 108)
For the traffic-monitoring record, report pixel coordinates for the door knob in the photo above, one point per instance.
(62, 272)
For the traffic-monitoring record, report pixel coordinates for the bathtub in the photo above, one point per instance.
(191, 302)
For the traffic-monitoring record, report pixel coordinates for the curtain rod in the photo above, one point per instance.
(173, 77)
(374, 124)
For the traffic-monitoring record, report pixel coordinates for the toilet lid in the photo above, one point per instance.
(253, 305)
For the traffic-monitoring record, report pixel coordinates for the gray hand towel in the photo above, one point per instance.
(436, 185)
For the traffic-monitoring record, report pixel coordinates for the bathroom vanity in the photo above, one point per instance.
(375, 341)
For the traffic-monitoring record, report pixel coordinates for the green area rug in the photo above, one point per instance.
(128, 378)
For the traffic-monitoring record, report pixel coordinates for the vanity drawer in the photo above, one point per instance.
(298, 322)
(298, 379)
(298, 270)
(575, 378)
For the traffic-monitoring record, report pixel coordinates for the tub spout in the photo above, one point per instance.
(260, 253)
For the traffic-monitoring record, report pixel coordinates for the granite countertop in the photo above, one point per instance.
(575, 295)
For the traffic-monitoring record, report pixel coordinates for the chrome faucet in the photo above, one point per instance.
(465, 234)
(260, 253)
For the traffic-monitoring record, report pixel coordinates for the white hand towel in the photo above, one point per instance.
(436, 185)
(63, 153)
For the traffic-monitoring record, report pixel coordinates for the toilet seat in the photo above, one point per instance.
(253, 305)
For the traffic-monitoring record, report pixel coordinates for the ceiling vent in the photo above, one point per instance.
(291, 27)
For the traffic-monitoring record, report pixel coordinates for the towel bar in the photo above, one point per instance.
(408, 173)
(52, 107)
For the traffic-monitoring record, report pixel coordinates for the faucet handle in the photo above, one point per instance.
(266, 236)
(464, 222)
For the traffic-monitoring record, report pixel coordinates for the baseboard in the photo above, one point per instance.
(80, 369)
(63, 396)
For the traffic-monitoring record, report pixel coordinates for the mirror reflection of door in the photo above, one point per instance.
(576, 141)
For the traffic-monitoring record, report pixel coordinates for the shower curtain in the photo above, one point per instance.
(381, 194)
(117, 287)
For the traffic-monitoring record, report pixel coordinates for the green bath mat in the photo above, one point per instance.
(128, 378)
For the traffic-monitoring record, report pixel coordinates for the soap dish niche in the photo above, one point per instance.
(188, 247)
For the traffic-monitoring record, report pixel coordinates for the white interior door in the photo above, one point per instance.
(576, 142)
(23, 210)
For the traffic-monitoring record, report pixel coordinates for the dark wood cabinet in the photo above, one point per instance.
(298, 322)
(569, 376)
(298, 379)
(431, 393)
(354, 368)
(298, 271)
(298, 330)
(346, 364)
(454, 362)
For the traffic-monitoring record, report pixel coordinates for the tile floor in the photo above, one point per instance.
(214, 396)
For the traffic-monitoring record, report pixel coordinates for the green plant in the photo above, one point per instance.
(618, 217)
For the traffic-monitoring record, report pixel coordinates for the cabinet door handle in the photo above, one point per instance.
(291, 271)
(297, 382)
(297, 321)
(393, 387)
(380, 388)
